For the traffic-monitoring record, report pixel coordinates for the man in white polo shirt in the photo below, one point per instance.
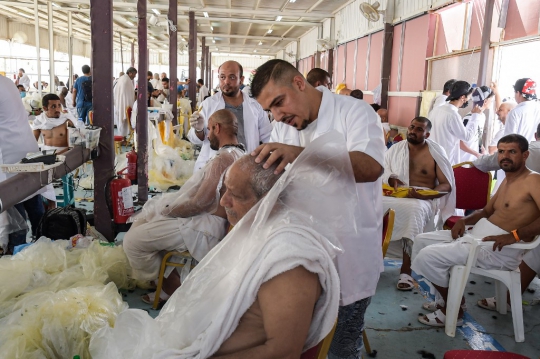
(304, 113)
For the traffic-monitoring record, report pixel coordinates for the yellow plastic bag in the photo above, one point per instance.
(403, 192)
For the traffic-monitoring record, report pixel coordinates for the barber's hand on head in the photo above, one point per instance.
(477, 109)
(285, 154)
(500, 241)
(458, 230)
(394, 182)
(196, 121)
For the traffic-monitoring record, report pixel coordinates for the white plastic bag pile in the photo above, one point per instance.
(52, 299)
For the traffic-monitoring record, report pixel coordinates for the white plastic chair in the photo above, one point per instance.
(504, 279)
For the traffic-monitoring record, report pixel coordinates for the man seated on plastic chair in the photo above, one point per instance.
(515, 206)
(191, 219)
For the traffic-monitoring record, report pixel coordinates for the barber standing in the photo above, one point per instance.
(254, 127)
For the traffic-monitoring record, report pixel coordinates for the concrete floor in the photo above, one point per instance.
(396, 333)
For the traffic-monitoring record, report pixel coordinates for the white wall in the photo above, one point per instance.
(308, 43)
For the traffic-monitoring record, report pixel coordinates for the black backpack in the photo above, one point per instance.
(62, 223)
(87, 89)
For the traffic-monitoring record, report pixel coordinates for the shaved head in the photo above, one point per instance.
(504, 109)
(227, 120)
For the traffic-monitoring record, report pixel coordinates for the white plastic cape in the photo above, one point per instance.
(396, 162)
(205, 310)
(200, 194)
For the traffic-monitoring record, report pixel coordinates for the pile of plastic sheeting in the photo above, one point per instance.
(169, 164)
(53, 299)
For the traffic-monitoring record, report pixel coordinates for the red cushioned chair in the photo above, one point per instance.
(481, 354)
(472, 189)
(321, 350)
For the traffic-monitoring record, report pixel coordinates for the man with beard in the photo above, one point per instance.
(448, 129)
(303, 114)
(253, 124)
(417, 163)
(191, 219)
(505, 220)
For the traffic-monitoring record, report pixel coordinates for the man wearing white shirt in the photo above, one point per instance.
(16, 140)
(254, 127)
(482, 97)
(526, 116)
(441, 99)
(23, 79)
(203, 91)
(448, 129)
(503, 108)
(304, 113)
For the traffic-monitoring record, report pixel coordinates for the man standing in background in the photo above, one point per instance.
(82, 94)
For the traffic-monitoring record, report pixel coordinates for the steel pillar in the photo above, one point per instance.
(142, 105)
(192, 46)
(101, 27)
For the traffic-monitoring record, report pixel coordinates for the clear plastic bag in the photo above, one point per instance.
(11, 221)
(59, 325)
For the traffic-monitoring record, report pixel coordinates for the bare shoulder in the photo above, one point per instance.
(533, 180)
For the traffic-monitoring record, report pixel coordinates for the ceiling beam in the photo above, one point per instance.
(314, 6)
(72, 5)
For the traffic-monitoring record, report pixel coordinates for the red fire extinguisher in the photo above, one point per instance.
(132, 165)
(121, 201)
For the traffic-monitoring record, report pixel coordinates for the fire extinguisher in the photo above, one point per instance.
(132, 165)
(120, 201)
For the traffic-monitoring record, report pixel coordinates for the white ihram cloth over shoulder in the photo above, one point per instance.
(435, 253)
(415, 216)
(124, 93)
(42, 122)
(448, 130)
(360, 265)
(257, 127)
(523, 120)
(275, 236)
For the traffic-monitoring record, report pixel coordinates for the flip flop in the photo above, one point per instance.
(491, 304)
(432, 306)
(149, 298)
(431, 319)
(405, 279)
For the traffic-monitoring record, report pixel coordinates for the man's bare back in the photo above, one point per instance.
(514, 204)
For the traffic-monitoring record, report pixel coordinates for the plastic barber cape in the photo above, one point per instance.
(257, 126)
(205, 310)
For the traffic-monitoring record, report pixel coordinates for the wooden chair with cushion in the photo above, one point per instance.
(473, 189)
(321, 350)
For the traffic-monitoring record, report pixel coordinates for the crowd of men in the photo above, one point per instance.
(275, 271)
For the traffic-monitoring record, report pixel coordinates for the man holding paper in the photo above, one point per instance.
(419, 164)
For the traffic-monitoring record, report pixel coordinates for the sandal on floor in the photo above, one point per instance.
(405, 279)
(432, 306)
(491, 304)
(431, 319)
(149, 298)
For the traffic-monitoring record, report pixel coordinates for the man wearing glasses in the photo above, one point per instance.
(254, 127)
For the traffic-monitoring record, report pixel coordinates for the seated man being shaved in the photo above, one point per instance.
(191, 219)
(418, 163)
(270, 288)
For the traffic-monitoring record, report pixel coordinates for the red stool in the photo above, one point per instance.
(481, 354)
(118, 144)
